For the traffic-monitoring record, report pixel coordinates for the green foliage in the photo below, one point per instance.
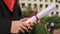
(28, 12)
(43, 20)
(24, 13)
(39, 29)
(55, 19)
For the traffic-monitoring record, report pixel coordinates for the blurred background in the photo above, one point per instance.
(31, 7)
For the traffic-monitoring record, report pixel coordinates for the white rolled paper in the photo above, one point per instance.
(43, 13)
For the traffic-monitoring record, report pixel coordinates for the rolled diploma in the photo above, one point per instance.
(42, 13)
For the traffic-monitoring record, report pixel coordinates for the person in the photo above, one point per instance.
(11, 20)
(52, 27)
(47, 26)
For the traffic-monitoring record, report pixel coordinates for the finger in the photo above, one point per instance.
(21, 30)
(26, 24)
(24, 19)
(31, 23)
(35, 23)
(29, 28)
(24, 28)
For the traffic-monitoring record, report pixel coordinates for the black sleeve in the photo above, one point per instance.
(20, 12)
(5, 25)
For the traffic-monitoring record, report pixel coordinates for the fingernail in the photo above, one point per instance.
(29, 28)
(29, 22)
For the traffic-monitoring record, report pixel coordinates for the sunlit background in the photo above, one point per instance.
(29, 7)
(41, 5)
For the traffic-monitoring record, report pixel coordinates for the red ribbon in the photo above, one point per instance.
(36, 17)
(31, 22)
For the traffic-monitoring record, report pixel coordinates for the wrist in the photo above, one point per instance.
(14, 28)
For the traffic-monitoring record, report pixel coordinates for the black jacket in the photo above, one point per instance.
(6, 17)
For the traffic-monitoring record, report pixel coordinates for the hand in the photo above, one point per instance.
(19, 26)
(31, 23)
(24, 19)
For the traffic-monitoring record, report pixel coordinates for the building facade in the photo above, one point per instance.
(41, 5)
